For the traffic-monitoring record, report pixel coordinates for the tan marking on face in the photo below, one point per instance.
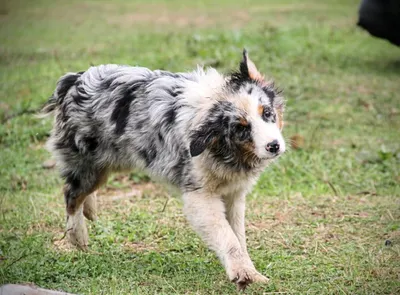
(249, 146)
(243, 104)
(248, 152)
(260, 110)
(243, 121)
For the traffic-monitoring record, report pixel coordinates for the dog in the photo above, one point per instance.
(210, 135)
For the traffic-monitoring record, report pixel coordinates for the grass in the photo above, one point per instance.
(323, 220)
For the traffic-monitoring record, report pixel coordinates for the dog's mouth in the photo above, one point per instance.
(258, 161)
(271, 156)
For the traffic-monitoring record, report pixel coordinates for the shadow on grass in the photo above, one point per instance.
(384, 67)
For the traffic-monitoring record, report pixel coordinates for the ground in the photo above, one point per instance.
(322, 220)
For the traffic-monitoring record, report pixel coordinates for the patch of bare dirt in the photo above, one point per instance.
(62, 245)
(129, 192)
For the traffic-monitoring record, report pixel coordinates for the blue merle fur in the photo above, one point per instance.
(114, 117)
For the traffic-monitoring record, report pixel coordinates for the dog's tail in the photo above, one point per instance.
(64, 84)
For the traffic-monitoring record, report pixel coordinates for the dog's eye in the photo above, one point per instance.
(266, 114)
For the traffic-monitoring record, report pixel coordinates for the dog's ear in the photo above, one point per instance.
(279, 107)
(248, 68)
(199, 142)
(197, 146)
(279, 121)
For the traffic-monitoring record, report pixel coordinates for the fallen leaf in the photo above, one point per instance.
(297, 141)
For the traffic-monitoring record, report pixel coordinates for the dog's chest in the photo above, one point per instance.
(235, 185)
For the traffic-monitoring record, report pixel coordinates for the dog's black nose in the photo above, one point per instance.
(273, 147)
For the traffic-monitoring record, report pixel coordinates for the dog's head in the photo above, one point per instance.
(243, 128)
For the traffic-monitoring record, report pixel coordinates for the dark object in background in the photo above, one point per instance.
(388, 243)
(381, 18)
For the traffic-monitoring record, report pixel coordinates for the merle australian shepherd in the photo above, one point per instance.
(210, 135)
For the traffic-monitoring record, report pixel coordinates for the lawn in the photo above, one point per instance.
(323, 220)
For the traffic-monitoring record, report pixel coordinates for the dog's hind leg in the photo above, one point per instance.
(79, 185)
(90, 207)
(76, 229)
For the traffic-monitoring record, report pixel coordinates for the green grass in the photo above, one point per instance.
(317, 221)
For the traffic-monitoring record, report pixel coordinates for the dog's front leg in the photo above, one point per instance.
(206, 213)
(235, 213)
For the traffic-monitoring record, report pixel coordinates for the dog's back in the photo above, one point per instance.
(115, 117)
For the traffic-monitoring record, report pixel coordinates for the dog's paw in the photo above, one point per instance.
(78, 237)
(77, 233)
(244, 276)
